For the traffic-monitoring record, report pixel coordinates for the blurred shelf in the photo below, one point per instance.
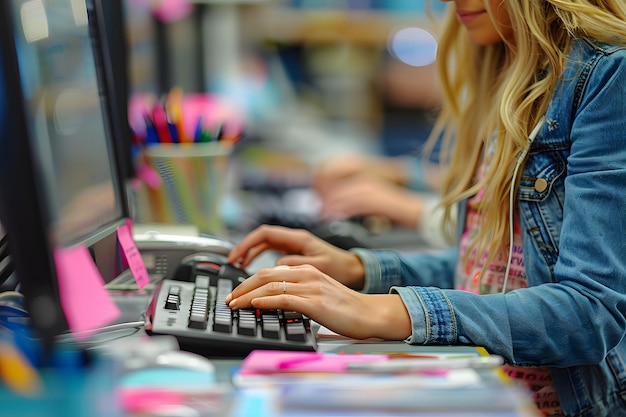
(316, 26)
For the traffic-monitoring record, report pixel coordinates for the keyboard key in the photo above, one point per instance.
(270, 324)
(295, 329)
(202, 281)
(224, 287)
(173, 298)
(247, 323)
(199, 314)
(223, 323)
(197, 320)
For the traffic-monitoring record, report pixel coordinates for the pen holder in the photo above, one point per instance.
(192, 179)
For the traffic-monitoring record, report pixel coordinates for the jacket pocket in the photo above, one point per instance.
(540, 176)
(540, 196)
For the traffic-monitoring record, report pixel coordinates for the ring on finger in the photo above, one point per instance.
(284, 287)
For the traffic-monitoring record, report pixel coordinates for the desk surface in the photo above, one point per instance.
(132, 307)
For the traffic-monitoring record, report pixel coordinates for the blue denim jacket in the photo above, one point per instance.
(572, 317)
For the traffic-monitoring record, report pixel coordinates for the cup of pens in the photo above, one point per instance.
(186, 143)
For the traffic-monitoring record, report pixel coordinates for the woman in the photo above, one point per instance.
(535, 102)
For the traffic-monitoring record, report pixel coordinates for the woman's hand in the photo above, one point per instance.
(307, 290)
(363, 195)
(300, 247)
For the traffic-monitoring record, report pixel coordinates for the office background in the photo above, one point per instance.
(311, 79)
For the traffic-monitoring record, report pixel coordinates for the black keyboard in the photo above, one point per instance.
(191, 308)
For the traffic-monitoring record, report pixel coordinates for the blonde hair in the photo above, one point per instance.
(503, 90)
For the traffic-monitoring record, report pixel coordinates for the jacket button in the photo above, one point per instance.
(541, 185)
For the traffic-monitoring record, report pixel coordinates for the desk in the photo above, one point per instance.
(491, 388)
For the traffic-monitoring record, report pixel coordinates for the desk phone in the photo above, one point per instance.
(190, 306)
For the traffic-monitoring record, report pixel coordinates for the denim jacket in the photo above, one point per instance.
(572, 207)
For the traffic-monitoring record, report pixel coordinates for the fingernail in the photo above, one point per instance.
(228, 298)
(233, 304)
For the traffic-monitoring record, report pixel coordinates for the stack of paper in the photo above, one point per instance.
(322, 384)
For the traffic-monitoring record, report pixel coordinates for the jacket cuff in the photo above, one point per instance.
(415, 173)
(373, 271)
(432, 316)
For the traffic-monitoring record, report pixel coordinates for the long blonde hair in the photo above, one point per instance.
(504, 89)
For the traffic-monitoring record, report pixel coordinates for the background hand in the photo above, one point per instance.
(332, 171)
(363, 195)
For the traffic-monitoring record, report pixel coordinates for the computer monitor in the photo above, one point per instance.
(108, 22)
(60, 181)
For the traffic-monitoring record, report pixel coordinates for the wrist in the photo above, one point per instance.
(356, 272)
(396, 170)
(390, 309)
(409, 211)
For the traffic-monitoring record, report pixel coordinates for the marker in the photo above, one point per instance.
(152, 136)
(16, 372)
(412, 365)
(197, 135)
(159, 118)
(174, 110)
(173, 129)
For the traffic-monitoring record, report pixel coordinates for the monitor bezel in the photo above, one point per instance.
(25, 214)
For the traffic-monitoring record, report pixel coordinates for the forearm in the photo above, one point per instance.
(385, 269)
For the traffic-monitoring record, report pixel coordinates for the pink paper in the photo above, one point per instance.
(86, 303)
(139, 106)
(149, 176)
(268, 362)
(172, 10)
(133, 257)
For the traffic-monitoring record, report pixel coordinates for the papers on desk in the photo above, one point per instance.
(261, 362)
(336, 373)
(339, 384)
(278, 367)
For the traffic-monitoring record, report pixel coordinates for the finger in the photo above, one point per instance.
(297, 260)
(280, 239)
(275, 294)
(251, 240)
(263, 277)
(253, 253)
(342, 209)
(274, 289)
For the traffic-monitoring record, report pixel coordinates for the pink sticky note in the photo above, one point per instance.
(86, 303)
(264, 362)
(133, 257)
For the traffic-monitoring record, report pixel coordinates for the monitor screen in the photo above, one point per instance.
(60, 182)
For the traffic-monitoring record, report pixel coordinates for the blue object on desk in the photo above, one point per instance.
(12, 304)
(84, 391)
(170, 379)
(173, 371)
